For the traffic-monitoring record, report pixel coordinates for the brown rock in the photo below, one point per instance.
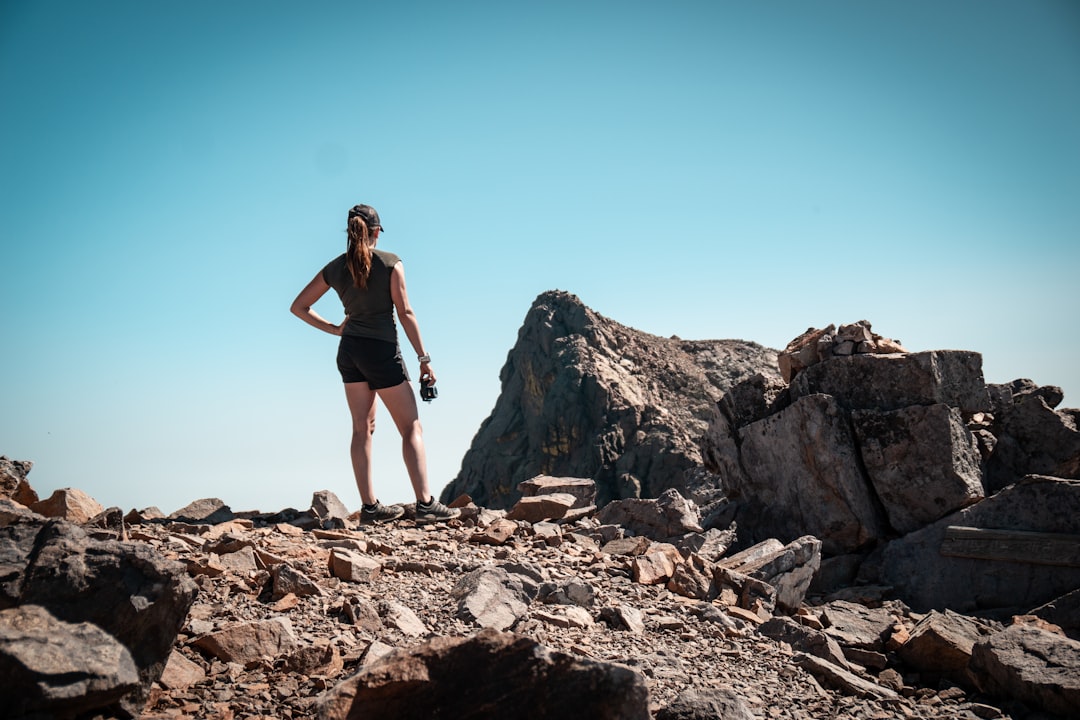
(70, 504)
(506, 675)
(13, 482)
(497, 533)
(181, 673)
(353, 567)
(250, 643)
(542, 507)
(1032, 665)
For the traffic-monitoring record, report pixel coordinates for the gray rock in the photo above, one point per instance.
(328, 507)
(52, 668)
(803, 477)
(855, 625)
(583, 396)
(891, 382)
(127, 589)
(1032, 437)
(491, 598)
(922, 460)
(491, 674)
(941, 643)
(925, 579)
(250, 643)
(13, 482)
(209, 511)
(804, 639)
(1038, 667)
(1064, 612)
(668, 516)
(706, 704)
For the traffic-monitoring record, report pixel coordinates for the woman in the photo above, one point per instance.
(371, 285)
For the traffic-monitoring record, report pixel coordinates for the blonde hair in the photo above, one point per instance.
(358, 254)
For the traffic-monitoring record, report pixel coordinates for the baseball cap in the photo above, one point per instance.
(367, 214)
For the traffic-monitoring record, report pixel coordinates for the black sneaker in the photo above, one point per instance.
(379, 513)
(434, 511)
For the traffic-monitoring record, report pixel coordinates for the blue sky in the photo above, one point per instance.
(171, 174)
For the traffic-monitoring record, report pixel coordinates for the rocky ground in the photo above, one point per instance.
(273, 628)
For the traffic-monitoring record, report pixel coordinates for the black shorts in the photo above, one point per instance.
(376, 362)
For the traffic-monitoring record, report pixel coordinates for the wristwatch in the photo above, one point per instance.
(424, 358)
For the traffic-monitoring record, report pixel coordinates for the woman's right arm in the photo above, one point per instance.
(301, 306)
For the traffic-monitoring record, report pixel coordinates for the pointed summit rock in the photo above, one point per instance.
(584, 396)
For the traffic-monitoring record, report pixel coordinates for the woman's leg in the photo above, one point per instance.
(401, 402)
(361, 401)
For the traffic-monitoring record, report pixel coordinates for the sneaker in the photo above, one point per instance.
(434, 511)
(379, 513)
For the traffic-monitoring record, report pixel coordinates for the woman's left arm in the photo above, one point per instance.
(301, 306)
(407, 317)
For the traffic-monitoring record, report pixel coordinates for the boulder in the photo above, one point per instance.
(803, 477)
(1017, 564)
(326, 506)
(941, 644)
(250, 643)
(491, 674)
(1038, 667)
(891, 382)
(1032, 437)
(207, 511)
(857, 626)
(13, 482)
(491, 597)
(804, 639)
(69, 504)
(586, 397)
(1063, 612)
(922, 460)
(51, 668)
(583, 489)
(668, 516)
(127, 589)
(706, 704)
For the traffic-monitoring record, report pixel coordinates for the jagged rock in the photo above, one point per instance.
(320, 658)
(804, 639)
(789, 569)
(353, 566)
(922, 460)
(209, 511)
(251, 642)
(804, 351)
(497, 533)
(491, 597)
(633, 545)
(583, 396)
(550, 506)
(668, 516)
(693, 579)
(567, 592)
(52, 668)
(925, 578)
(12, 512)
(181, 673)
(803, 477)
(656, 565)
(400, 616)
(1063, 612)
(583, 489)
(13, 482)
(69, 504)
(329, 508)
(490, 674)
(567, 616)
(126, 589)
(854, 625)
(706, 704)
(891, 382)
(624, 617)
(288, 579)
(1032, 665)
(1032, 437)
(839, 677)
(941, 643)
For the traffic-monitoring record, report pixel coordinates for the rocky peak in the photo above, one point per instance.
(585, 396)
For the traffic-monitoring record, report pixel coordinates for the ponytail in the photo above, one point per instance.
(358, 255)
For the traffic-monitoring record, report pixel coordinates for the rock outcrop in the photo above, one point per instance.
(60, 587)
(586, 397)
